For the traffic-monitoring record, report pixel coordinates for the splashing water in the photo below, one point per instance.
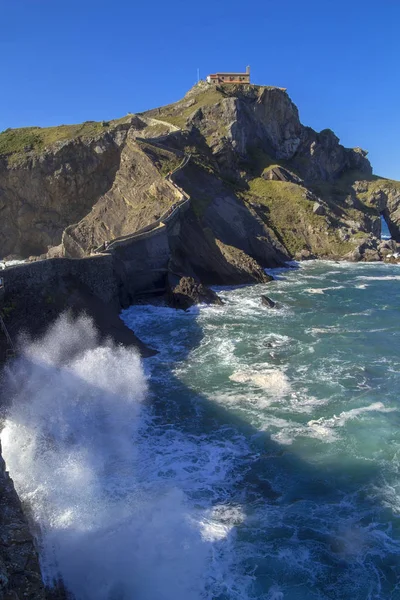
(255, 458)
(75, 444)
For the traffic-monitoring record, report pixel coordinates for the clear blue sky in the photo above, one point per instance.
(67, 61)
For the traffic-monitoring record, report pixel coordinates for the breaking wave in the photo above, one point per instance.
(81, 445)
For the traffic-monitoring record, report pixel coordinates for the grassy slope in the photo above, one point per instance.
(36, 139)
(379, 183)
(177, 113)
(206, 95)
(290, 215)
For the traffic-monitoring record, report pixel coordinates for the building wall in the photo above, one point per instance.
(231, 78)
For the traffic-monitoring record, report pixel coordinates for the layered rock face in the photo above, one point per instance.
(248, 117)
(260, 182)
(138, 196)
(43, 194)
(253, 133)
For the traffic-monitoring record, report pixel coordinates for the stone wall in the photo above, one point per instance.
(97, 272)
(142, 263)
(134, 266)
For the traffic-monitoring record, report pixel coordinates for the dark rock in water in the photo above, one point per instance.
(188, 292)
(265, 301)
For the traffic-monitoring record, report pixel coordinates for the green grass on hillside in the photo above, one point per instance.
(379, 183)
(204, 95)
(36, 139)
(177, 116)
(289, 214)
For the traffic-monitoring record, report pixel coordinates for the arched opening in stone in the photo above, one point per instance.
(385, 233)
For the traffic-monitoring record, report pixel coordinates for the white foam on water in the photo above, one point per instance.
(380, 278)
(341, 420)
(289, 431)
(323, 429)
(274, 381)
(220, 521)
(247, 402)
(105, 487)
(323, 290)
(327, 329)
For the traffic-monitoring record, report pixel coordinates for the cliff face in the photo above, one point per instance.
(317, 197)
(19, 567)
(259, 181)
(236, 120)
(41, 194)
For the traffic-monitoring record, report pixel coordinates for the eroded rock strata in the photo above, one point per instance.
(258, 179)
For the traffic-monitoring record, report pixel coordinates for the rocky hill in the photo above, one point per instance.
(263, 186)
(250, 188)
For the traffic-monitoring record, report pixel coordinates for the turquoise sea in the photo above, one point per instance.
(256, 456)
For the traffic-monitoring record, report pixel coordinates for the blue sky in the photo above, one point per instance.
(67, 61)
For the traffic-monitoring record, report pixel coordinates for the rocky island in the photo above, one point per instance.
(209, 190)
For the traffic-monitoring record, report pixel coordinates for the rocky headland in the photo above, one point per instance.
(209, 190)
(259, 182)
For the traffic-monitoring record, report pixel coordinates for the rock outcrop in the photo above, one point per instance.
(20, 577)
(260, 183)
(186, 292)
(266, 301)
(235, 119)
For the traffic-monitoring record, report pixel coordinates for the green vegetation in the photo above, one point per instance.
(259, 161)
(277, 191)
(167, 166)
(287, 211)
(36, 139)
(378, 183)
(176, 114)
(154, 131)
